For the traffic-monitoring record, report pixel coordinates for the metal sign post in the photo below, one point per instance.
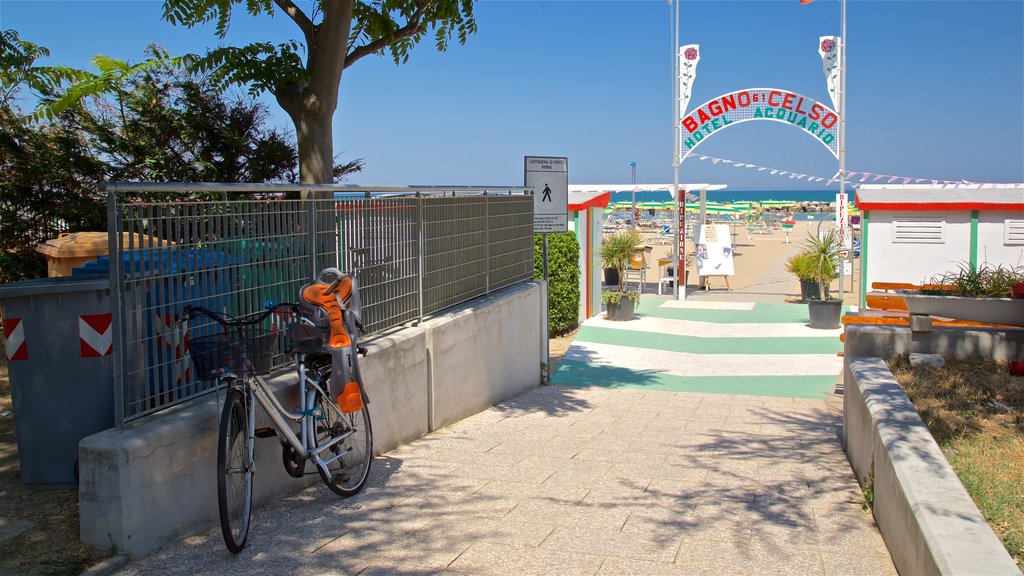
(549, 178)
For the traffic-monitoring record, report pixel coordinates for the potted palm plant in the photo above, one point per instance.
(615, 253)
(822, 253)
(801, 265)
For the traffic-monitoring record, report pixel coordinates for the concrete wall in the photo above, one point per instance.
(889, 341)
(926, 517)
(155, 482)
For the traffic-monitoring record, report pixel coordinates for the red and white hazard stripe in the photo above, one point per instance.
(14, 335)
(95, 336)
(171, 336)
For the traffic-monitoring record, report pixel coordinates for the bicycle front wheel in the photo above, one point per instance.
(235, 469)
(345, 466)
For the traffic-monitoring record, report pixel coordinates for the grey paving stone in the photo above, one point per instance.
(577, 514)
(512, 473)
(523, 491)
(634, 567)
(504, 560)
(854, 562)
(407, 550)
(655, 546)
(744, 557)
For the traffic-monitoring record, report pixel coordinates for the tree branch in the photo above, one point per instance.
(300, 18)
(411, 28)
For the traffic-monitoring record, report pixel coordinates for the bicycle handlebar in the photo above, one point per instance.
(246, 320)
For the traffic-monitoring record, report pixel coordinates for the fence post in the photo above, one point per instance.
(311, 226)
(114, 227)
(487, 243)
(420, 247)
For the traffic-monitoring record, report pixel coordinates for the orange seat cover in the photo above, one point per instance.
(314, 294)
(350, 400)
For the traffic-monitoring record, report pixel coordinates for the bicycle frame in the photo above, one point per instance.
(303, 443)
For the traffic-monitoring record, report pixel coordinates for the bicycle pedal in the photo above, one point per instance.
(265, 432)
(361, 351)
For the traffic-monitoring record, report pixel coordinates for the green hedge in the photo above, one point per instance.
(563, 279)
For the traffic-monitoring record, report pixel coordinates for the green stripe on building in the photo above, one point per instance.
(571, 373)
(699, 345)
(974, 239)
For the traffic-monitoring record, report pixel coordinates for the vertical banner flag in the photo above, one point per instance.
(689, 55)
(828, 47)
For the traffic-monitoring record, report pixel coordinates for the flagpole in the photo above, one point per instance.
(842, 128)
(680, 275)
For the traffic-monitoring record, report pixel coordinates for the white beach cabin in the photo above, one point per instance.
(911, 233)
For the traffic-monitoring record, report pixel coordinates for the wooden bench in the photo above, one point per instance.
(887, 308)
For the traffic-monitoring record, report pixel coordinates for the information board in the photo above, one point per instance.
(549, 178)
(714, 250)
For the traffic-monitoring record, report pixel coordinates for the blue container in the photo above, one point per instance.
(171, 279)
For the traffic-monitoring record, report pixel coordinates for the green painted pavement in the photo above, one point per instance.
(579, 374)
(762, 313)
(699, 345)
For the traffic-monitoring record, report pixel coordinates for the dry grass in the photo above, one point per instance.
(975, 411)
(50, 545)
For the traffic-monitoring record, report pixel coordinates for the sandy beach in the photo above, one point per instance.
(759, 260)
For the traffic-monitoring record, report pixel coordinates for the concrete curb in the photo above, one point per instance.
(926, 517)
(108, 566)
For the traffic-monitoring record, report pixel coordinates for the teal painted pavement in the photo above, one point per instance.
(720, 364)
(762, 313)
(582, 374)
(699, 345)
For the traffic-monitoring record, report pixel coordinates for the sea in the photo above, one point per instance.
(736, 195)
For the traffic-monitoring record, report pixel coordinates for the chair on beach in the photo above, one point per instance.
(637, 269)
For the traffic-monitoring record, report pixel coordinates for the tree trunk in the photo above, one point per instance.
(316, 149)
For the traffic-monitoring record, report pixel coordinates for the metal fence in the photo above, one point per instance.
(235, 248)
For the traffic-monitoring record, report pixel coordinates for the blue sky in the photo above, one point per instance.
(935, 87)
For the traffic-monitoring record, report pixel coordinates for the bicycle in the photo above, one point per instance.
(334, 431)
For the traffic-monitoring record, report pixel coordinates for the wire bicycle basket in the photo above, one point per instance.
(244, 352)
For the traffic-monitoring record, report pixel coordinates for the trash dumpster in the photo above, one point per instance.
(58, 342)
(68, 251)
(162, 281)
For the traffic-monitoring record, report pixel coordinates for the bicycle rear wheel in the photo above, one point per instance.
(346, 466)
(235, 469)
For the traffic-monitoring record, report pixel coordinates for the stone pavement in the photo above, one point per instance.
(580, 481)
(701, 438)
(661, 473)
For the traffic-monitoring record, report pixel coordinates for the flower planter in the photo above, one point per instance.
(620, 311)
(809, 290)
(611, 276)
(825, 314)
(1006, 311)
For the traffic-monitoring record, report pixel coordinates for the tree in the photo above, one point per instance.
(335, 35)
(152, 123)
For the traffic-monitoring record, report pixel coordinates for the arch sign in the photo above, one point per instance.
(811, 116)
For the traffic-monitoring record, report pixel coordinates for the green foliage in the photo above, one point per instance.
(972, 281)
(616, 250)
(167, 126)
(615, 296)
(563, 279)
(801, 265)
(160, 125)
(822, 255)
(394, 26)
(48, 176)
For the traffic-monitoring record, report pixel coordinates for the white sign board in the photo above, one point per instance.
(843, 221)
(714, 250)
(549, 178)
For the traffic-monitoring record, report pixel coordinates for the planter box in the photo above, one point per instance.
(1006, 311)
